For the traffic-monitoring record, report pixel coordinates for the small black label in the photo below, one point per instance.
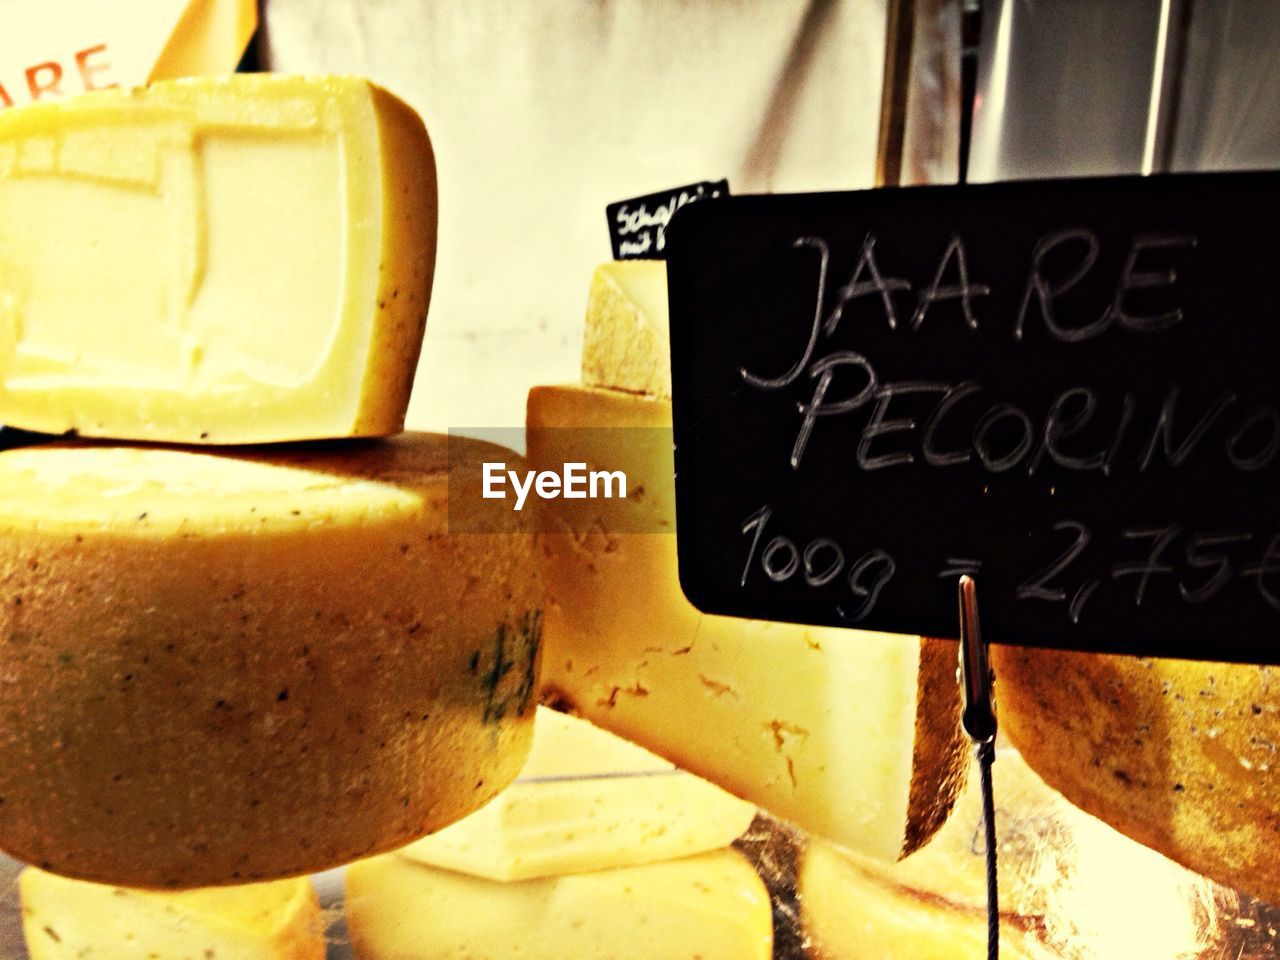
(638, 227)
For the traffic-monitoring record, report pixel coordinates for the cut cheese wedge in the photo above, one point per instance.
(627, 344)
(851, 914)
(230, 260)
(586, 800)
(66, 919)
(1183, 756)
(225, 668)
(852, 735)
(1071, 888)
(712, 906)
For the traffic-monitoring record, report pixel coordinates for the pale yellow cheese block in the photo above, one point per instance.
(216, 260)
(586, 800)
(850, 914)
(852, 735)
(66, 919)
(1183, 756)
(627, 342)
(1071, 888)
(219, 668)
(709, 907)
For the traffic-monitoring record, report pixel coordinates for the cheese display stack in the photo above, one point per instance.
(853, 736)
(600, 850)
(230, 664)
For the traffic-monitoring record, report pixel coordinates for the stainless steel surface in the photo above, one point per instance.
(1103, 87)
(1063, 88)
(1229, 104)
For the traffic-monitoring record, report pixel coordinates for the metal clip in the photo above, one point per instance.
(979, 717)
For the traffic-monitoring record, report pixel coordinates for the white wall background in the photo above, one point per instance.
(543, 112)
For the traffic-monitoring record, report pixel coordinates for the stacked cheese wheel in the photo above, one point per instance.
(599, 850)
(228, 664)
(854, 736)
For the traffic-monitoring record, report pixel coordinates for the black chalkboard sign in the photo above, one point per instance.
(1069, 389)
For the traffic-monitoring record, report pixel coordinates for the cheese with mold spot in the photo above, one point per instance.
(221, 668)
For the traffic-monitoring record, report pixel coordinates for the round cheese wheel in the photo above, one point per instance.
(217, 668)
(1181, 755)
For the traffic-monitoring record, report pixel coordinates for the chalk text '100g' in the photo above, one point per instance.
(1195, 565)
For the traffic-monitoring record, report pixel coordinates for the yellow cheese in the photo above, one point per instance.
(851, 914)
(712, 907)
(217, 668)
(1182, 756)
(66, 919)
(627, 344)
(852, 735)
(229, 260)
(209, 38)
(586, 800)
(1071, 888)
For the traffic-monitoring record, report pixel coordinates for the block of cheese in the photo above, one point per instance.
(712, 906)
(586, 800)
(851, 914)
(852, 735)
(1183, 756)
(65, 919)
(210, 38)
(1071, 888)
(220, 668)
(627, 343)
(216, 260)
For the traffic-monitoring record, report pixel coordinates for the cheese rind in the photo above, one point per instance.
(712, 906)
(1180, 755)
(852, 735)
(215, 260)
(65, 919)
(586, 800)
(627, 343)
(228, 668)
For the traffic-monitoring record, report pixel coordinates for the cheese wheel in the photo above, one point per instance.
(216, 260)
(1181, 755)
(65, 919)
(712, 907)
(852, 735)
(218, 668)
(586, 800)
(1071, 888)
